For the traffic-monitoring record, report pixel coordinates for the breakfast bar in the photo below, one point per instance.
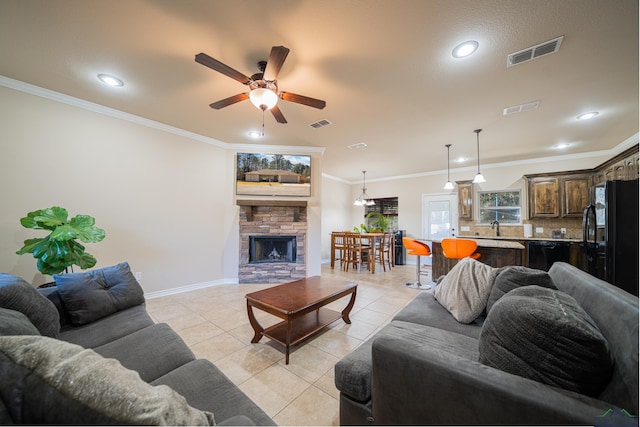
(496, 253)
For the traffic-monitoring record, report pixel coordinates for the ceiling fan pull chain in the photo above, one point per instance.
(263, 122)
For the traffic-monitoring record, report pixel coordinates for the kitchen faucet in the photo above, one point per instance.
(496, 225)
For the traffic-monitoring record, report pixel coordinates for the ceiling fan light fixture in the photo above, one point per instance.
(465, 49)
(263, 99)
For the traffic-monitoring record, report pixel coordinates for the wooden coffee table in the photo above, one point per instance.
(301, 305)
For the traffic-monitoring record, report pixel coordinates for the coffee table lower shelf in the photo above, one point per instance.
(302, 327)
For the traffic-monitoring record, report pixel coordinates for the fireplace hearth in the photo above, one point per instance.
(264, 249)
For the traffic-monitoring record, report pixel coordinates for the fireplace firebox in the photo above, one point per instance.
(271, 249)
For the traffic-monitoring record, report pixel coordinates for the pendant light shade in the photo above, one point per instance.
(449, 184)
(364, 199)
(479, 178)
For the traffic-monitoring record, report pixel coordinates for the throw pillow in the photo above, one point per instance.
(63, 383)
(98, 293)
(512, 277)
(18, 295)
(15, 323)
(465, 289)
(544, 335)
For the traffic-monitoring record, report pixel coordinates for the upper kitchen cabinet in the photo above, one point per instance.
(622, 167)
(544, 201)
(465, 199)
(558, 195)
(575, 194)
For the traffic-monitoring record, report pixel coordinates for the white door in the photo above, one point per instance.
(439, 216)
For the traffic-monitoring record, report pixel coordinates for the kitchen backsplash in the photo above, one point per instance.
(573, 226)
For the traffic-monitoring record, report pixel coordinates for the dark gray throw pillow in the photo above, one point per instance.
(15, 323)
(513, 277)
(544, 335)
(98, 293)
(18, 295)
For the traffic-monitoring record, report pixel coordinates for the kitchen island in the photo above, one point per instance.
(496, 253)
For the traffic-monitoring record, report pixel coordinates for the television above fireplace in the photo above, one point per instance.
(273, 175)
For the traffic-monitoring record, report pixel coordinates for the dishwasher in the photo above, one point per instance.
(541, 254)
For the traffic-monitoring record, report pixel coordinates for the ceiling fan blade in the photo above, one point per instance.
(228, 101)
(214, 64)
(274, 63)
(304, 100)
(278, 114)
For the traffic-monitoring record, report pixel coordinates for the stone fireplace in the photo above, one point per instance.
(272, 241)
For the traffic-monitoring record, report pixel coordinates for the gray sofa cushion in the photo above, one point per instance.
(545, 335)
(425, 310)
(108, 328)
(63, 383)
(513, 277)
(353, 372)
(18, 295)
(206, 388)
(152, 351)
(97, 293)
(15, 323)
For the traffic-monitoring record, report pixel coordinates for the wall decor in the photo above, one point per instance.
(273, 175)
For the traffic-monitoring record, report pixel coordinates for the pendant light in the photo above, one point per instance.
(449, 184)
(479, 178)
(363, 199)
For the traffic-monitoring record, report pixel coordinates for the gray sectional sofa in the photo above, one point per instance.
(87, 352)
(536, 355)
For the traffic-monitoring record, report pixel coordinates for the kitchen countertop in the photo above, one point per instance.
(543, 239)
(492, 243)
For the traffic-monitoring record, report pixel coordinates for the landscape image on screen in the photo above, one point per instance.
(273, 175)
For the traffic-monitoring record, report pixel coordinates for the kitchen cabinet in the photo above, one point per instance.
(575, 192)
(490, 255)
(623, 167)
(544, 197)
(559, 195)
(465, 199)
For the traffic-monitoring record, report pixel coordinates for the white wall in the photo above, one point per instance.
(336, 211)
(161, 198)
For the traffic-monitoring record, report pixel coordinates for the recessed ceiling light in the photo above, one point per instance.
(255, 134)
(587, 116)
(465, 49)
(562, 146)
(460, 160)
(110, 80)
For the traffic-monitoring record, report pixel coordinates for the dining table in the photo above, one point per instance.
(373, 240)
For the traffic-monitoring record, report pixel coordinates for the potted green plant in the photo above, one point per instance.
(378, 221)
(59, 250)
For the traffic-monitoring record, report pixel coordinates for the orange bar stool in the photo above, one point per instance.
(418, 249)
(459, 248)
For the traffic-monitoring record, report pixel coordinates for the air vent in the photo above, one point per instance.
(520, 108)
(320, 123)
(356, 146)
(542, 49)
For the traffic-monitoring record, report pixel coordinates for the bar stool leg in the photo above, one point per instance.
(417, 284)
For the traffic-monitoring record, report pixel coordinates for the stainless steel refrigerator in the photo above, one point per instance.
(610, 233)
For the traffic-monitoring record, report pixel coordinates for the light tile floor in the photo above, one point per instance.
(214, 324)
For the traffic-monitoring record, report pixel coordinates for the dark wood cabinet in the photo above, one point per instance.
(465, 199)
(576, 194)
(544, 197)
(495, 257)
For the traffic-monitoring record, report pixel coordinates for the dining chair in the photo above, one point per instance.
(359, 251)
(338, 246)
(459, 248)
(419, 249)
(384, 248)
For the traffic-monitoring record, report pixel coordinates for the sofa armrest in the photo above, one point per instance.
(415, 383)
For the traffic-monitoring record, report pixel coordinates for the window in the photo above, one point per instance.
(501, 206)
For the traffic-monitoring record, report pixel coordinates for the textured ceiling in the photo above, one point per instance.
(384, 68)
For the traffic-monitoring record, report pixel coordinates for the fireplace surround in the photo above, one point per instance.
(273, 222)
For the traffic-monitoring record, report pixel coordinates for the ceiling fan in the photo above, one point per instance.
(263, 86)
